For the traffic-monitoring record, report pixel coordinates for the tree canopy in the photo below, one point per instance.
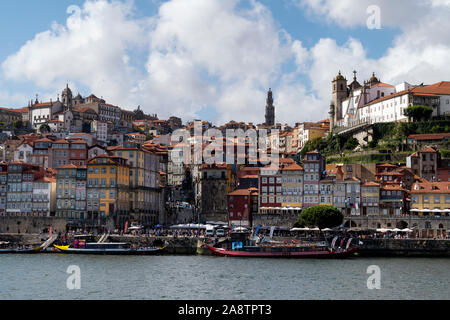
(44, 128)
(321, 216)
(419, 112)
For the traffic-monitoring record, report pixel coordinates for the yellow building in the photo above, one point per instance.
(431, 198)
(108, 188)
(292, 186)
(370, 196)
(326, 192)
(144, 177)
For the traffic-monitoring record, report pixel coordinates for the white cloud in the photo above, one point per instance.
(91, 49)
(201, 53)
(211, 53)
(350, 13)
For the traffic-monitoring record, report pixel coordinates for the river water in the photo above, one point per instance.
(45, 276)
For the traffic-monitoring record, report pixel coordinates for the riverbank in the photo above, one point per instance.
(193, 245)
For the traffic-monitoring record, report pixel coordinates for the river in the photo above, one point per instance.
(44, 276)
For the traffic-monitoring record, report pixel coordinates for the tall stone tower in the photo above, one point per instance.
(340, 93)
(66, 97)
(270, 110)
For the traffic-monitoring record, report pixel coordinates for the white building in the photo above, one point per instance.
(376, 101)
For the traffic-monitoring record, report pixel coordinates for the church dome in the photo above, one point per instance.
(339, 76)
(374, 79)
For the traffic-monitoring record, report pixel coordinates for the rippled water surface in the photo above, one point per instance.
(200, 277)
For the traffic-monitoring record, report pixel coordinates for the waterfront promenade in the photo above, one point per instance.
(192, 245)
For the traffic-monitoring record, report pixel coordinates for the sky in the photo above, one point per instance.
(216, 59)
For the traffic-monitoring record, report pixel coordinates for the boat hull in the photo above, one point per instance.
(19, 251)
(133, 252)
(287, 254)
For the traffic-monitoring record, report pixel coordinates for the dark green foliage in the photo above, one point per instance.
(445, 153)
(113, 143)
(44, 128)
(332, 144)
(86, 127)
(321, 216)
(351, 144)
(419, 112)
(18, 124)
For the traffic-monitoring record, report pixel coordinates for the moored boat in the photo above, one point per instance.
(293, 249)
(282, 252)
(110, 249)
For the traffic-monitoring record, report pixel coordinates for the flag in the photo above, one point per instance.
(50, 232)
(126, 227)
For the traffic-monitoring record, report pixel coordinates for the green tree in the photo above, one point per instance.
(44, 128)
(419, 112)
(321, 216)
(351, 144)
(18, 124)
(113, 143)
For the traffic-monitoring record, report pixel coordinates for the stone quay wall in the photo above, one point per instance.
(405, 247)
(31, 225)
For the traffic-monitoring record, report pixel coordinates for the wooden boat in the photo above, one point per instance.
(110, 249)
(23, 251)
(280, 252)
(294, 249)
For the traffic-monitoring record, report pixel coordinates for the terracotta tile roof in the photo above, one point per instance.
(240, 192)
(250, 176)
(438, 88)
(388, 165)
(44, 140)
(394, 187)
(371, 184)
(429, 150)
(431, 187)
(381, 84)
(293, 167)
(429, 136)
(68, 166)
(61, 141)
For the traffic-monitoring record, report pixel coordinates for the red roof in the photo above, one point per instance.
(429, 136)
(293, 167)
(432, 187)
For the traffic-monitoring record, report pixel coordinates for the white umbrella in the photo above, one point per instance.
(315, 229)
(396, 230)
(296, 229)
(327, 229)
(406, 230)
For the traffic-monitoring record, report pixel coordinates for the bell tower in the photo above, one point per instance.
(340, 93)
(66, 97)
(270, 110)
